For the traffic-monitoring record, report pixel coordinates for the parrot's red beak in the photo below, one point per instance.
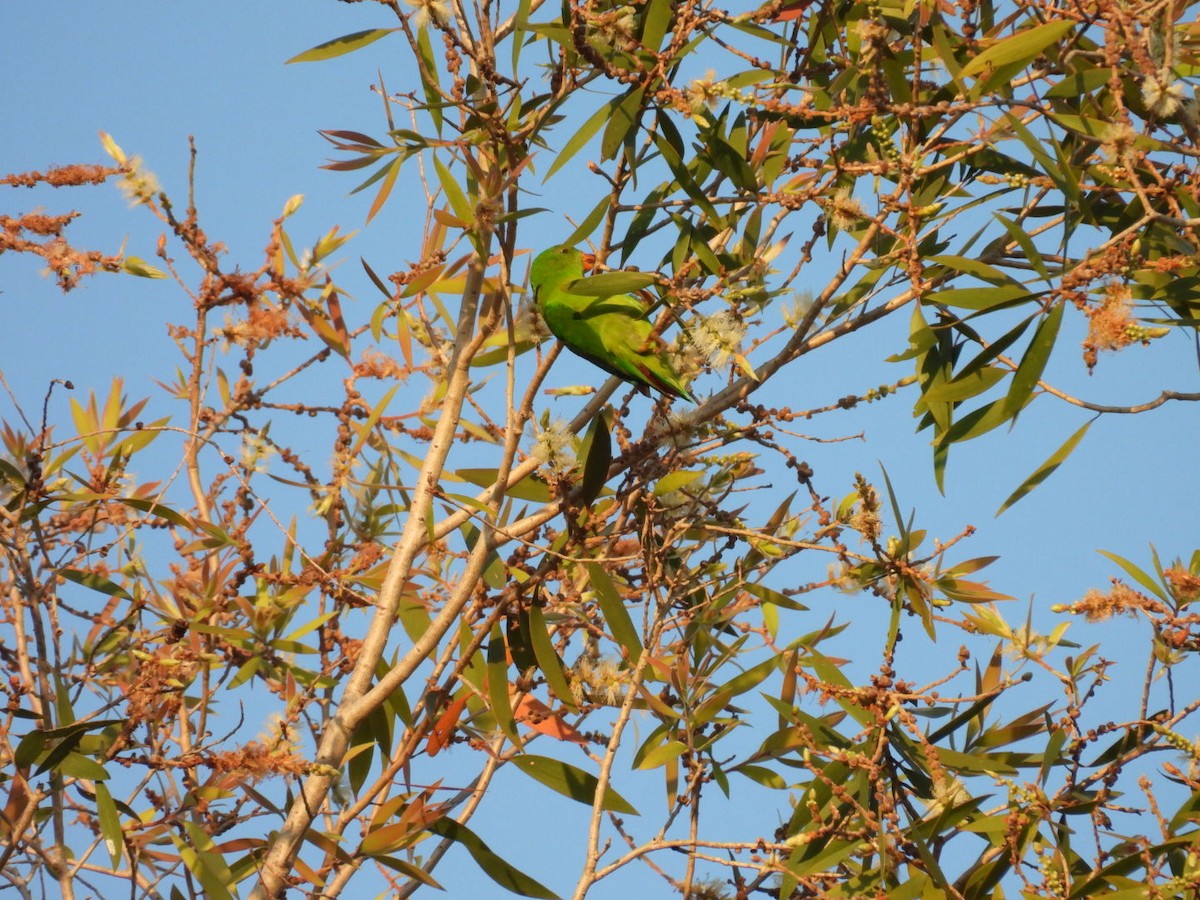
(589, 261)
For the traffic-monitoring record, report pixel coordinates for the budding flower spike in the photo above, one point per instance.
(612, 332)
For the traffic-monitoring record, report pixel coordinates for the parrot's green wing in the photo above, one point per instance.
(621, 305)
(611, 332)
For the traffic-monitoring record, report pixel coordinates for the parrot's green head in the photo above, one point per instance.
(556, 265)
(559, 266)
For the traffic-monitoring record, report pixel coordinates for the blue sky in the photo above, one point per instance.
(152, 73)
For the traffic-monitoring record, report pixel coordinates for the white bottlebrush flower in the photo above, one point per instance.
(1162, 93)
(256, 453)
(600, 680)
(139, 185)
(429, 12)
(552, 443)
(797, 308)
(843, 210)
(718, 337)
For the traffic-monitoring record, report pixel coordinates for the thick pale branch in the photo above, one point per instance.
(336, 738)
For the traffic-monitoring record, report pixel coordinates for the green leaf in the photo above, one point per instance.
(1046, 469)
(520, 644)
(493, 866)
(157, 509)
(968, 266)
(1137, 575)
(1021, 236)
(593, 219)
(497, 681)
(825, 669)
(614, 611)
(525, 489)
(407, 869)
(727, 160)
(995, 348)
(1022, 47)
(660, 755)
(1033, 363)
(141, 268)
(768, 778)
(1062, 176)
(976, 423)
(246, 671)
(624, 120)
(463, 208)
(1126, 864)
(670, 145)
(311, 626)
(520, 23)
(739, 684)
(96, 583)
(360, 756)
(202, 860)
(67, 736)
(610, 284)
(585, 133)
(771, 597)
(429, 78)
(657, 21)
(547, 657)
(673, 481)
(76, 765)
(571, 782)
(340, 46)
(964, 386)
(596, 451)
(110, 823)
(980, 298)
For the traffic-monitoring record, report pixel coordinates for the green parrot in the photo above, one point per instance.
(611, 332)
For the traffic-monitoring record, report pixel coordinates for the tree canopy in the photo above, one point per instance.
(379, 565)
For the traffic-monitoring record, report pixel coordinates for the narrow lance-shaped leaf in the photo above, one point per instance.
(429, 78)
(95, 582)
(547, 658)
(1137, 574)
(739, 684)
(1021, 236)
(597, 457)
(995, 348)
(390, 172)
(501, 872)
(520, 644)
(1062, 176)
(462, 206)
(1021, 47)
(614, 611)
(1033, 363)
(1046, 469)
(657, 21)
(825, 669)
(591, 221)
(340, 46)
(572, 782)
(202, 859)
(624, 121)
(585, 133)
(497, 682)
(377, 411)
(110, 823)
(360, 756)
(610, 283)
